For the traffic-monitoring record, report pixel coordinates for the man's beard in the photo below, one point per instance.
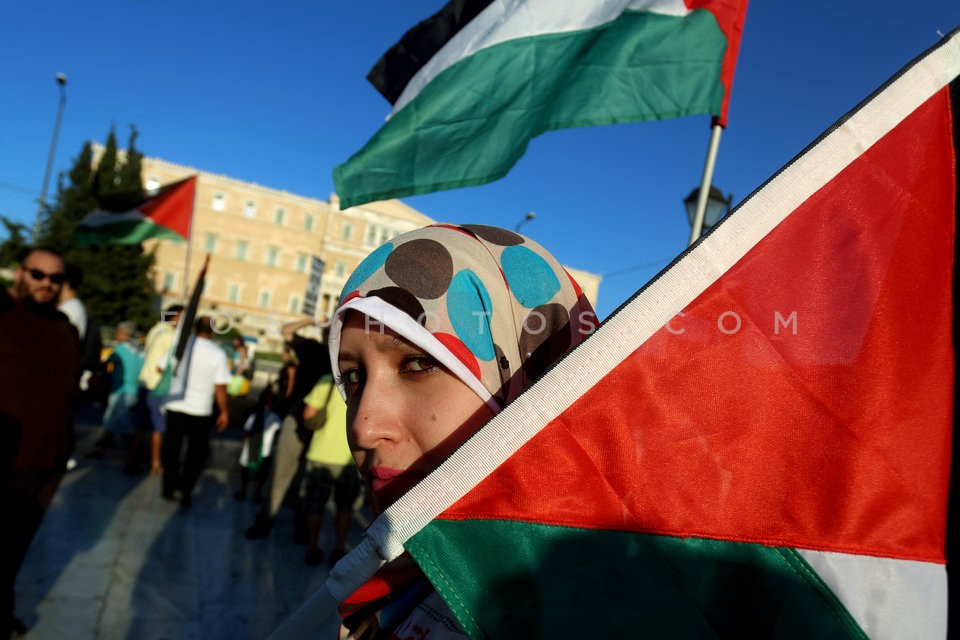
(23, 294)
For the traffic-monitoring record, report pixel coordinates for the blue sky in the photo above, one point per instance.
(275, 93)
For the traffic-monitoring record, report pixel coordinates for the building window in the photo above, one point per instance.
(264, 298)
(242, 246)
(377, 235)
(346, 231)
(209, 243)
(308, 222)
(169, 281)
(219, 201)
(279, 215)
(272, 254)
(294, 304)
(301, 266)
(249, 209)
(233, 292)
(340, 269)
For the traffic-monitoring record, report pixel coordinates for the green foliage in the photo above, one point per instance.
(13, 246)
(117, 282)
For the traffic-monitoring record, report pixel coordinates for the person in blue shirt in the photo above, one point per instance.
(124, 364)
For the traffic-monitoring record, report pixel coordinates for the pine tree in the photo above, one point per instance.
(18, 238)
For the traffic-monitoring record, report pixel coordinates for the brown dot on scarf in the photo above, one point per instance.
(495, 235)
(544, 338)
(402, 300)
(422, 267)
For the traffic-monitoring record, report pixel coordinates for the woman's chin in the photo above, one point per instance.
(386, 493)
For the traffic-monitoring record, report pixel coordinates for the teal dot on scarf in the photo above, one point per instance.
(469, 309)
(367, 268)
(531, 278)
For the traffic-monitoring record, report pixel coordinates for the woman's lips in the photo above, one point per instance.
(390, 484)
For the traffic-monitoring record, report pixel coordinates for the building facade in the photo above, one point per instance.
(274, 256)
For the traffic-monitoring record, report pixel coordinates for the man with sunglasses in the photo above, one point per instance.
(39, 278)
(39, 374)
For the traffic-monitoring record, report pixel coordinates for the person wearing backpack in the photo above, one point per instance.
(156, 352)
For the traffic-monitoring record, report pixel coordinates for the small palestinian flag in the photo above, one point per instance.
(133, 219)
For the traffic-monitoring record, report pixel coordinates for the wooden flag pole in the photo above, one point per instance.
(697, 226)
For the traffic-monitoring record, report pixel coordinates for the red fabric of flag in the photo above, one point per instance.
(728, 425)
(173, 207)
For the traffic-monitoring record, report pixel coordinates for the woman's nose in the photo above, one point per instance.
(375, 420)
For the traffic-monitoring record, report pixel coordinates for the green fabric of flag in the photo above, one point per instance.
(471, 122)
(517, 581)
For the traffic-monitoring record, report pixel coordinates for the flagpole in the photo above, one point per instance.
(186, 264)
(697, 225)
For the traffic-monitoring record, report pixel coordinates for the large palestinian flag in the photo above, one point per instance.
(133, 218)
(757, 445)
(473, 84)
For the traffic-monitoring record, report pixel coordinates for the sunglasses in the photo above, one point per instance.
(40, 276)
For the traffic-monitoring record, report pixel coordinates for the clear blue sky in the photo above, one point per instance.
(275, 93)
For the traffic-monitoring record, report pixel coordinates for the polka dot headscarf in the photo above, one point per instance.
(490, 305)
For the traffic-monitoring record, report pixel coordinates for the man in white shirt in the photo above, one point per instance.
(200, 382)
(72, 307)
(70, 303)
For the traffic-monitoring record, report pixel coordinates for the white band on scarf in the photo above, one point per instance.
(386, 314)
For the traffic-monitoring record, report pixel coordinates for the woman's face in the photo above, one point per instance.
(405, 413)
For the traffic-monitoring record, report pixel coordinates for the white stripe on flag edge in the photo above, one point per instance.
(890, 599)
(505, 20)
(633, 323)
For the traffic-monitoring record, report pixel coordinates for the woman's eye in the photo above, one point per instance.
(350, 378)
(417, 364)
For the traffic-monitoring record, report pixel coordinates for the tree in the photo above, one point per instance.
(17, 240)
(117, 282)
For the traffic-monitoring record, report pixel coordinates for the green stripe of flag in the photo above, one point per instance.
(123, 232)
(515, 582)
(472, 123)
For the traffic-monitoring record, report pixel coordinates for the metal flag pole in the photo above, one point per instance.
(697, 226)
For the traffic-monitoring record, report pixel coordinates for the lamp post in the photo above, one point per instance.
(62, 85)
(717, 207)
(527, 218)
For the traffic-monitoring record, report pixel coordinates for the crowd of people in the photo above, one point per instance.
(160, 410)
(418, 358)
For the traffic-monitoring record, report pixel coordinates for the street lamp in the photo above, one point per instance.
(717, 207)
(62, 85)
(527, 218)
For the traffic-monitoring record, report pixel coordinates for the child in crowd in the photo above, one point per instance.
(259, 430)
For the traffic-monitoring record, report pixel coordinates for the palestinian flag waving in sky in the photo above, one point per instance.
(473, 84)
(133, 218)
(756, 445)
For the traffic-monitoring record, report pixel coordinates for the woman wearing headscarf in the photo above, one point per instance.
(437, 331)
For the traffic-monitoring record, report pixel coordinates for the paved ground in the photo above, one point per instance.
(112, 560)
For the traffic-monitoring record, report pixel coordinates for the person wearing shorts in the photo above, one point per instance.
(329, 468)
(157, 349)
